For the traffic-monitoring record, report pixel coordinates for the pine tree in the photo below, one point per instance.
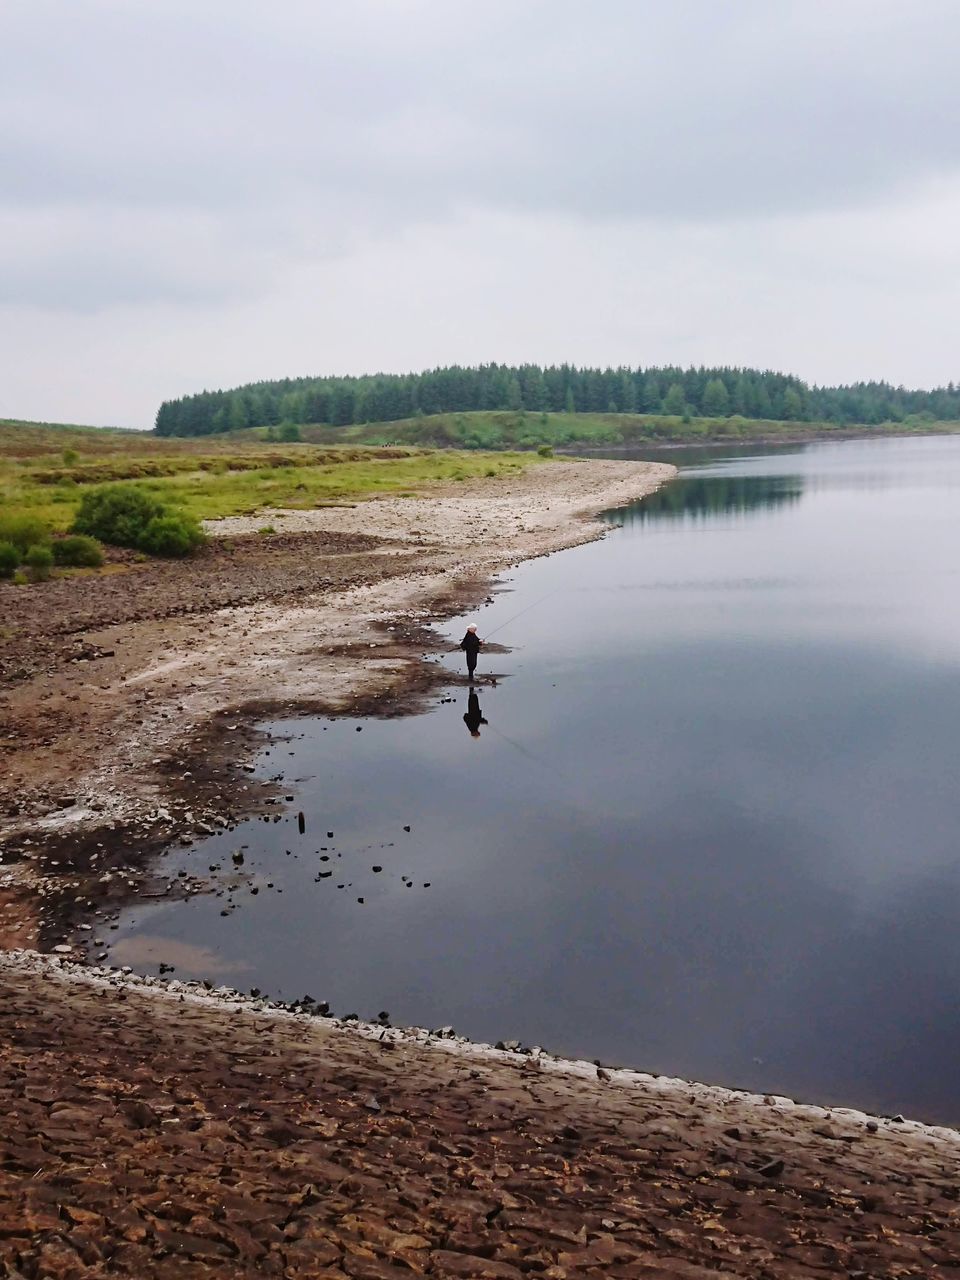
(675, 402)
(716, 401)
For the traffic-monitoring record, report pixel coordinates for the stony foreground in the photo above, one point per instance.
(149, 1134)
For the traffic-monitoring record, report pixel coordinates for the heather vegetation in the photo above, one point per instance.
(712, 394)
(134, 490)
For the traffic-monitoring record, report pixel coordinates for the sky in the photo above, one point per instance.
(202, 193)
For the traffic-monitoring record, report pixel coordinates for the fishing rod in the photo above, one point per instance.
(522, 612)
(515, 616)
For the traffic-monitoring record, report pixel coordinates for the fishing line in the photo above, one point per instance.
(522, 612)
(556, 775)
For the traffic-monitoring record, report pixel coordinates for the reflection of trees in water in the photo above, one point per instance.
(715, 495)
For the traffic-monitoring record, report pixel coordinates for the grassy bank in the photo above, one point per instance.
(518, 430)
(45, 469)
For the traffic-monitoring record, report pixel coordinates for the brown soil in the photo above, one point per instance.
(198, 1138)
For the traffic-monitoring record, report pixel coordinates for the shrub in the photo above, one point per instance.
(70, 456)
(172, 535)
(78, 549)
(24, 532)
(9, 559)
(288, 431)
(545, 451)
(39, 562)
(117, 513)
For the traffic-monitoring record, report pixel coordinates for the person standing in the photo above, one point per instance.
(470, 644)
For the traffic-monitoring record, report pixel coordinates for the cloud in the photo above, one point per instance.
(212, 157)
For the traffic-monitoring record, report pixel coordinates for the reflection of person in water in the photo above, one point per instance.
(473, 719)
(470, 644)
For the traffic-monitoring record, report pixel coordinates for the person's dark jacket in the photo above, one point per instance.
(471, 643)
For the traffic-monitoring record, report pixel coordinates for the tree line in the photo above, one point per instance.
(693, 392)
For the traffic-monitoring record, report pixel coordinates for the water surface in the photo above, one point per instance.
(704, 823)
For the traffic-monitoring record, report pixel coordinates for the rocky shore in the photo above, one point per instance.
(156, 1128)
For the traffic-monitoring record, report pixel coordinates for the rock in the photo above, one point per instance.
(772, 1169)
(140, 1114)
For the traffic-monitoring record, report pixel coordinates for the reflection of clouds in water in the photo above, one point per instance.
(706, 584)
(188, 958)
(881, 995)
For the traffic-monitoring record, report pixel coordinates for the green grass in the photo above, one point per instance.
(512, 430)
(223, 476)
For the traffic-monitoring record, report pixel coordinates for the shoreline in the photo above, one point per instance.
(200, 1134)
(145, 737)
(745, 442)
(164, 1128)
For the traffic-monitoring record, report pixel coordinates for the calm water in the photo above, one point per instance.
(709, 828)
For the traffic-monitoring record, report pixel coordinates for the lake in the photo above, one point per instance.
(705, 822)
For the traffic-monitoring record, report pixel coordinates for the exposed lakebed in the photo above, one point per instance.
(709, 823)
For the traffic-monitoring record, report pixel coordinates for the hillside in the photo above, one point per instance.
(709, 393)
(506, 430)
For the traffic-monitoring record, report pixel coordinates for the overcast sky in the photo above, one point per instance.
(199, 193)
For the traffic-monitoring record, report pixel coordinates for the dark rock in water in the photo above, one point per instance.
(377, 869)
(383, 1016)
(301, 822)
(406, 828)
(359, 728)
(329, 835)
(361, 900)
(772, 1169)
